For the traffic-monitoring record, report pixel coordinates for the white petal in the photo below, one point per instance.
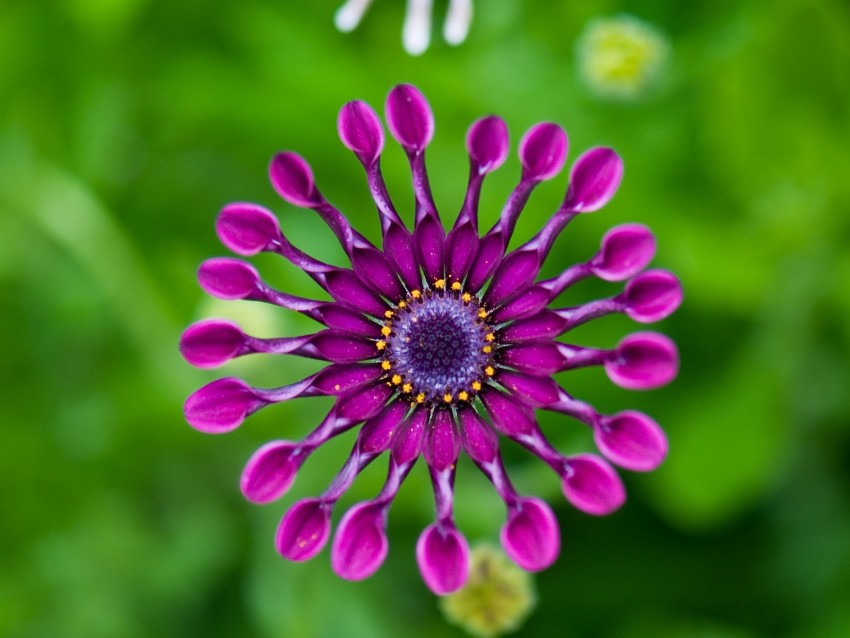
(457, 21)
(417, 26)
(349, 15)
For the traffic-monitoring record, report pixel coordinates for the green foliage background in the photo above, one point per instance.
(126, 124)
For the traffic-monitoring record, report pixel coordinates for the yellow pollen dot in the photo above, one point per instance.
(466, 297)
(489, 371)
(402, 304)
(415, 294)
(489, 336)
(447, 397)
(386, 365)
(440, 283)
(476, 385)
(456, 286)
(396, 379)
(386, 330)
(388, 314)
(380, 345)
(336, 387)
(420, 398)
(487, 349)
(482, 313)
(406, 387)
(463, 395)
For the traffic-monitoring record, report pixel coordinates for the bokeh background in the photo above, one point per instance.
(125, 125)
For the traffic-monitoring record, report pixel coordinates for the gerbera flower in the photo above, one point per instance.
(436, 343)
(416, 33)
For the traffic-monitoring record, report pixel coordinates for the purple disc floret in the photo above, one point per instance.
(437, 343)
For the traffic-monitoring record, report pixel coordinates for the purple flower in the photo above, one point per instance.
(437, 343)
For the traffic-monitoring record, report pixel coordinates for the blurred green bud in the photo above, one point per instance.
(496, 599)
(621, 57)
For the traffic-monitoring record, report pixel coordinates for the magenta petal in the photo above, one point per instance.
(373, 266)
(292, 178)
(631, 440)
(538, 359)
(514, 274)
(304, 530)
(509, 417)
(592, 486)
(364, 404)
(442, 442)
(246, 229)
(594, 179)
(211, 343)
(376, 435)
(339, 378)
(642, 361)
(652, 296)
(543, 151)
(479, 441)
(544, 325)
(429, 238)
(360, 544)
(345, 286)
(625, 251)
(407, 440)
(530, 301)
(461, 246)
(361, 131)
(530, 536)
(536, 391)
(491, 249)
(270, 471)
(227, 278)
(338, 317)
(409, 117)
(342, 349)
(487, 143)
(220, 406)
(443, 557)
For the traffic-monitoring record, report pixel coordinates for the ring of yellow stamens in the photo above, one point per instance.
(397, 377)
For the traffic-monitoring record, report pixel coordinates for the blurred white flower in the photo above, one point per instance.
(416, 33)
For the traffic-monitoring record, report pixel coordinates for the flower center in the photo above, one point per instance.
(438, 345)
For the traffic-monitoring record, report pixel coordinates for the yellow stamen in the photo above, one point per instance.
(489, 371)
(402, 304)
(396, 379)
(386, 330)
(440, 284)
(415, 294)
(420, 398)
(487, 349)
(456, 286)
(476, 385)
(388, 314)
(489, 336)
(380, 345)
(386, 365)
(466, 297)
(447, 397)
(482, 313)
(463, 395)
(406, 387)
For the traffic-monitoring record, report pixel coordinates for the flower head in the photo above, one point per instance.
(620, 57)
(437, 343)
(416, 33)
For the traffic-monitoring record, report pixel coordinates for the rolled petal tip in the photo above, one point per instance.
(270, 472)
(360, 544)
(488, 143)
(625, 251)
(228, 279)
(631, 440)
(304, 530)
(592, 486)
(643, 361)
(292, 178)
(594, 180)
(246, 229)
(220, 406)
(361, 131)
(409, 117)
(652, 296)
(211, 343)
(443, 557)
(543, 151)
(531, 537)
